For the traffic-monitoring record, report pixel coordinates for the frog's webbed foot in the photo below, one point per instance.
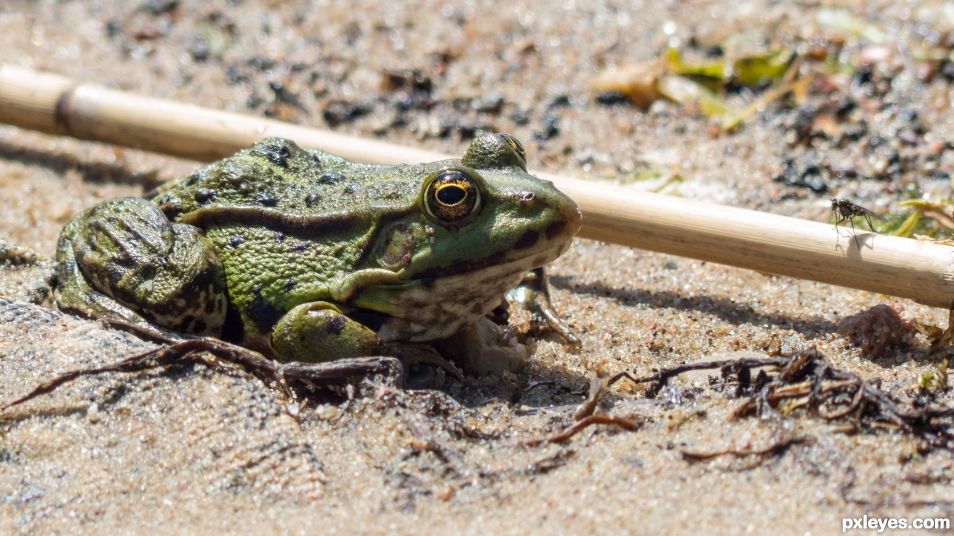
(16, 255)
(533, 294)
(226, 357)
(73, 293)
(485, 348)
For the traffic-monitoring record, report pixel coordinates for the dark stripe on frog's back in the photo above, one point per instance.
(273, 219)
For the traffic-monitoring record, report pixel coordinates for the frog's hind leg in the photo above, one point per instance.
(73, 293)
(226, 357)
(124, 262)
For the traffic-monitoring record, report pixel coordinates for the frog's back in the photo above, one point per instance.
(302, 211)
(275, 173)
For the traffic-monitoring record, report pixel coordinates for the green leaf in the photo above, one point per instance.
(908, 226)
(758, 69)
(714, 70)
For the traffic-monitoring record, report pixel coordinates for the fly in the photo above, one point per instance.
(847, 211)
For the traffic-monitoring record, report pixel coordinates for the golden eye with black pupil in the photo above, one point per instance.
(516, 146)
(451, 196)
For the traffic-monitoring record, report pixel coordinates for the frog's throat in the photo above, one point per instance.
(424, 309)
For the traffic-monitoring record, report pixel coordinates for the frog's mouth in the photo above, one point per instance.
(538, 258)
(428, 307)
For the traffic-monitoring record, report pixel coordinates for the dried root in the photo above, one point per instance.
(228, 358)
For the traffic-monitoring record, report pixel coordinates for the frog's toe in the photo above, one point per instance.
(542, 308)
(16, 255)
(533, 295)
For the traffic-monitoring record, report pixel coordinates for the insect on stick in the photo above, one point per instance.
(848, 211)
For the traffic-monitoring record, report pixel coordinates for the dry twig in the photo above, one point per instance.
(588, 407)
(586, 422)
(777, 447)
(661, 378)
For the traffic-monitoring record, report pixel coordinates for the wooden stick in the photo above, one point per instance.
(903, 267)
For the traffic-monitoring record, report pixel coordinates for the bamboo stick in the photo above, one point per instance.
(913, 269)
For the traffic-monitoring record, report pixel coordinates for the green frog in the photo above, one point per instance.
(304, 256)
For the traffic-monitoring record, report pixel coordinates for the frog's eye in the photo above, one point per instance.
(516, 146)
(451, 196)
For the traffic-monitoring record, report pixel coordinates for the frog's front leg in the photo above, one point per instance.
(533, 294)
(319, 331)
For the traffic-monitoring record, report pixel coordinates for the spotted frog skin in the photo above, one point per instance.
(304, 256)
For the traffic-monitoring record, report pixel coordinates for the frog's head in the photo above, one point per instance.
(486, 210)
(482, 222)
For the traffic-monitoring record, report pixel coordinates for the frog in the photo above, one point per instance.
(302, 256)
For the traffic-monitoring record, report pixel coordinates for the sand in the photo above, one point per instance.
(192, 450)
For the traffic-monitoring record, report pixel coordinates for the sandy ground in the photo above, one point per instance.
(192, 450)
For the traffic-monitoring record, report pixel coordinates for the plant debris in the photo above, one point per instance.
(549, 463)
(939, 337)
(934, 381)
(698, 84)
(589, 406)
(807, 380)
(16, 255)
(580, 425)
(843, 21)
(940, 216)
(848, 483)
